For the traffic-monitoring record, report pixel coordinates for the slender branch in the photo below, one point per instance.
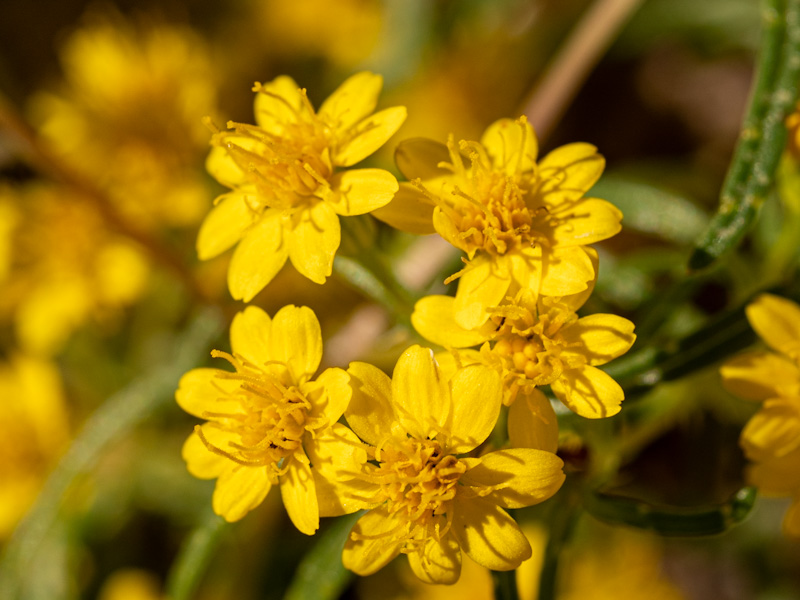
(505, 585)
(196, 553)
(569, 68)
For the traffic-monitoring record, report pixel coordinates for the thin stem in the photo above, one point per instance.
(590, 38)
(196, 553)
(566, 510)
(48, 164)
(505, 585)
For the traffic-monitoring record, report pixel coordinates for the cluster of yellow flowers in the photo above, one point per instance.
(771, 439)
(413, 448)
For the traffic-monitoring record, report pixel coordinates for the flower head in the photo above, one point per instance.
(266, 417)
(534, 342)
(288, 185)
(428, 500)
(771, 439)
(522, 224)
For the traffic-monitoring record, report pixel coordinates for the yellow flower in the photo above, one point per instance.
(522, 224)
(287, 187)
(772, 436)
(267, 417)
(427, 500)
(538, 342)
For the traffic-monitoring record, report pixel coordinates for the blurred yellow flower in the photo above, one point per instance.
(287, 191)
(129, 116)
(65, 267)
(522, 224)
(266, 419)
(772, 436)
(130, 584)
(35, 432)
(537, 342)
(427, 501)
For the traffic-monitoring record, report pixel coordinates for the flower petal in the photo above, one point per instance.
(589, 392)
(239, 490)
(355, 99)
(760, 375)
(574, 301)
(481, 286)
(279, 103)
(221, 163)
(566, 271)
(477, 394)
(224, 225)
(434, 319)
(329, 395)
(300, 495)
(438, 561)
(370, 413)
(512, 145)
(314, 240)
(586, 221)
(597, 338)
(296, 340)
(777, 476)
(366, 136)
(359, 191)
(521, 476)
(488, 535)
(773, 431)
(200, 461)
(420, 158)
(569, 171)
(258, 257)
(419, 393)
(203, 391)
(409, 210)
(777, 321)
(375, 539)
(250, 332)
(532, 422)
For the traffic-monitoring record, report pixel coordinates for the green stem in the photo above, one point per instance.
(196, 553)
(113, 420)
(505, 585)
(561, 525)
(763, 134)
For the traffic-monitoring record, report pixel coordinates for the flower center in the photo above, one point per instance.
(271, 422)
(417, 480)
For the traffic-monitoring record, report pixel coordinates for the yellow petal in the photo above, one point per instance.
(532, 422)
(512, 145)
(409, 210)
(488, 535)
(597, 338)
(419, 393)
(569, 171)
(760, 375)
(300, 495)
(777, 321)
(477, 394)
(526, 268)
(329, 395)
(589, 392)
(250, 332)
(521, 476)
(773, 431)
(359, 191)
(222, 165)
(200, 461)
(239, 490)
(585, 222)
(225, 225)
(202, 391)
(258, 257)
(355, 99)
(434, 319)
(437, 561)
(337, 456)
(420, 158)
(370, 413)
(566, 271)
(575, 301)
(777, 476)
(296, 340)
(377, 541)
(483, 285)
(366, 136)
(280, 104)
(314, 240)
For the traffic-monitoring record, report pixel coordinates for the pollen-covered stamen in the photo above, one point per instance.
(417, 480)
